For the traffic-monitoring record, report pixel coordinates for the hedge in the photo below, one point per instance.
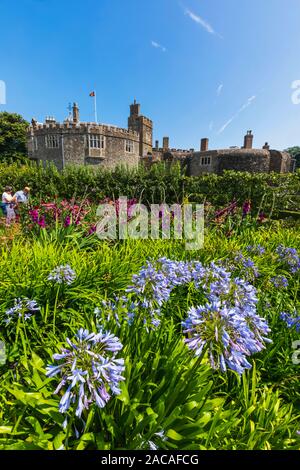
(161, 183)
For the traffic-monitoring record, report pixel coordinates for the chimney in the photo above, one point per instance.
(135, 109)
(75, 113)
(248, 140)
(166, 143)
(204, 145)
(266, 146)
(157, 144)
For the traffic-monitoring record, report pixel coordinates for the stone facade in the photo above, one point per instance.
(246, 158)
(83, 143)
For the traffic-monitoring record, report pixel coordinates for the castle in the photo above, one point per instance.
(90, 143)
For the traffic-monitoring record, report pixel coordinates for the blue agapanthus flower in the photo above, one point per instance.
(229, 335)
(62, 275)
(23, 308)
(280, 282)
(247, 267)
(256, 250)
(291, 319)
(89, 370)
(290, 257)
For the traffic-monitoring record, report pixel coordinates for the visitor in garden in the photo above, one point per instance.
(22, 196)
(7, 199)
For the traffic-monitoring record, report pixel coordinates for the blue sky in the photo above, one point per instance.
(199, 68)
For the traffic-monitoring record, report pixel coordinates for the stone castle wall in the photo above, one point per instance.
(74, 145)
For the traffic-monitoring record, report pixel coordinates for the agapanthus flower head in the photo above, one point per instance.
(290, 257)
(257, 250)
(229, 335)
(291, 319)
(62, 275)
(280, 282)
(247, 267)
(89, 370)
(23, 308)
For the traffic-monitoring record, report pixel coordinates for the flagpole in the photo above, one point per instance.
(95, 103)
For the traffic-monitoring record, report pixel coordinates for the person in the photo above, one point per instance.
(22, 197)
(7, 199)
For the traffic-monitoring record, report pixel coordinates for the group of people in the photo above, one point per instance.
(11, 201)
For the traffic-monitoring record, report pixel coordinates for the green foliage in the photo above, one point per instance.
(269, 192)
(13, 137)
(295, 153)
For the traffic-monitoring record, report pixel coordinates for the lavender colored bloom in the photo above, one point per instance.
(257, 250)
(89, 369)
(62, 275)
(291, 319)
(247, 267)
(280, 281)
(153, 285)
(290, 257)
(228, 334)
(23, 308)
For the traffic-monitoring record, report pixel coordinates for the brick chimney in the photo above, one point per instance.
(75, 113)
(266, 146)
(204, 145)
(248, 140)
(166, 143)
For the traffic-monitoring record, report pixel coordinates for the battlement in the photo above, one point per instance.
(82, 127)
(162, 150)
(146, 120)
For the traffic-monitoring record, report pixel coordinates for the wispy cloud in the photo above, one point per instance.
(211, 125)
(158, 46)
(242, 108)
(219, 89)
(202, 22)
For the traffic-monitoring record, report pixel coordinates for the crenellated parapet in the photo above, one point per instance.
(82, 128)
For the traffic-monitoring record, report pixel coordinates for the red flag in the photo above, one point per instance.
(92, 93)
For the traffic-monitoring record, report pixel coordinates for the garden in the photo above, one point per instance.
(142, 344)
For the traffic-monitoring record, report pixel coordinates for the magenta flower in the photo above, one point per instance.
(246, 208)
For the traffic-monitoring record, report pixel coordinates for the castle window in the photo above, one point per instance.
(205, 161)
(52, 141)
(97, 141)
(129, 147)
(34, 144)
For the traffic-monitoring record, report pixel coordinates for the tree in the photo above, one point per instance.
(295, 153)
(13, 130)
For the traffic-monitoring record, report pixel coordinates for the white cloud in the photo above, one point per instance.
(242, 108)
(219, 89)
(158, 46)
(211, 125)
(200, 21)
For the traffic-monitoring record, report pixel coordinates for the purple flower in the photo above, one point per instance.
(257, 250)
(229, 335)
(290, 257)
(62, 275)
(67, 221)
(280, 282)
(246, 208)
(23, 308)
(291, 319)
(89, 369)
